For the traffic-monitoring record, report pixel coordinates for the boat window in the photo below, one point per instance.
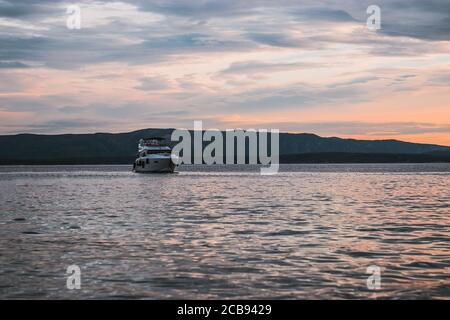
(167, 152)
(146, 161)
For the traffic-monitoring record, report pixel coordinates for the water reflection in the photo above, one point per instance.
(208, 233)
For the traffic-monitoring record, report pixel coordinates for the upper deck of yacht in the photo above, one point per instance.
(154, 143)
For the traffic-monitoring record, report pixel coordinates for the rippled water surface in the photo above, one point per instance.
(218, 232)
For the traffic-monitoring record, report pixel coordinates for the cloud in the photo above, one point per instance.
(153, 84)
(283, 40)
(64, 124)
(361, 128)
(12, 65)
(71, 109)
(295, 97)
(257, 67)
(442, 79)
(199, 9)
(171, 113)
(358, 80)
(25, 8)
(324, 14)
(230, 27)
(23, 48)
(175, 60)
(11, 83)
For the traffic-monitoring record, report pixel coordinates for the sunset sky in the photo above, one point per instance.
(299, 66)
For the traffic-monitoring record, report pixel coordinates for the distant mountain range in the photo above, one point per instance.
(122, 147)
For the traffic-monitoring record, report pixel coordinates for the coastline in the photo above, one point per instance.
(305, 158)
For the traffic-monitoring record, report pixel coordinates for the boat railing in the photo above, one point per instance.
(151, 142)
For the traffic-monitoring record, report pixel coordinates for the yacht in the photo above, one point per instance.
(154, 156)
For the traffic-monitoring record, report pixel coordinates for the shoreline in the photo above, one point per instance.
(305, 158)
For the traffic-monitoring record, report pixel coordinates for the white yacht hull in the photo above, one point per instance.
(153, 157)
(155, 165)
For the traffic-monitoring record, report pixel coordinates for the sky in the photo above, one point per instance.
(297, 66)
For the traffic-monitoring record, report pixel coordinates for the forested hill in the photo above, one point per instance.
(35, 148)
